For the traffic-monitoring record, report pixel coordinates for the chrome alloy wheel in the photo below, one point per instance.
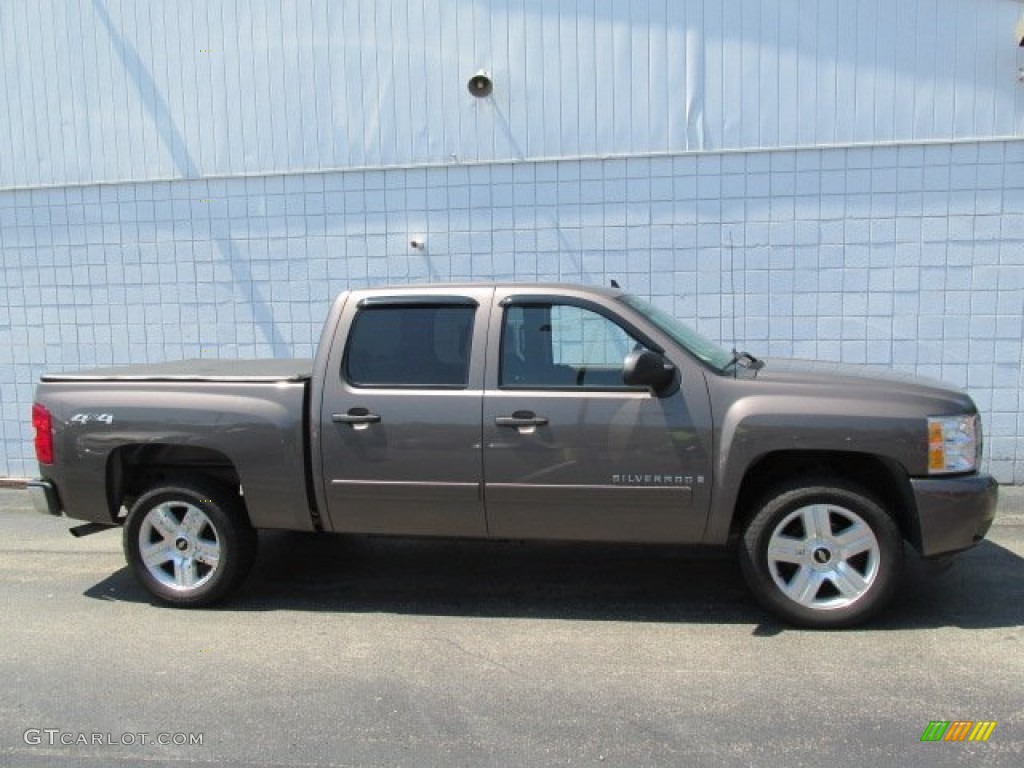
(823, 556)
(179, 545)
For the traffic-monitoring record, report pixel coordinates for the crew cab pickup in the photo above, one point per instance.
(520, 411)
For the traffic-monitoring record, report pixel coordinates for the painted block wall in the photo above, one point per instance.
(906, 256)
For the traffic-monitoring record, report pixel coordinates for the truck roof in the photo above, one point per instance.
(427, 288)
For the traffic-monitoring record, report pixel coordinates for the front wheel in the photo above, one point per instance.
(822, 554)
(189, 544)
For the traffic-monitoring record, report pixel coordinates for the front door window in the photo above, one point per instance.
(562, 346)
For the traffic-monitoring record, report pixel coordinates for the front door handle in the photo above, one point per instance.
(521, 419)
(356, 416)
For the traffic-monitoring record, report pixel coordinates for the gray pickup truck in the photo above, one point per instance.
(520, 411)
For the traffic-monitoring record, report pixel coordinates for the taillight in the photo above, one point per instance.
(43, 424)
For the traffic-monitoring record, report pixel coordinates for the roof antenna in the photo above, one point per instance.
(615, 283)
(732, 291)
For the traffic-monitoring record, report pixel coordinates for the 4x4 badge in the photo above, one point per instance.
(88, 418)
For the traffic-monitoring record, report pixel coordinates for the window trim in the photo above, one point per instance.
(417, 301)
(373, 303)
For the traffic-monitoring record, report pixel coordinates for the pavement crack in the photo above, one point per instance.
(482, 657)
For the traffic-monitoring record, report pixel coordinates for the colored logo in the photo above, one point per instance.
(958, 730)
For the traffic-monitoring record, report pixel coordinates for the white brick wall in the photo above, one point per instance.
(907, 256)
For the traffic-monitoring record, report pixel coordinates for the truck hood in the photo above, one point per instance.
(881, 381)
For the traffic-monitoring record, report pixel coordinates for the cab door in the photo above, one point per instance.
(400, 418)
(570, 452)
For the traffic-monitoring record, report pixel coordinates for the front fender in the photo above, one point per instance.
(754, 427)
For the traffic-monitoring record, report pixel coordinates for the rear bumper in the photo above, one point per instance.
(953, 513)
(44, 497)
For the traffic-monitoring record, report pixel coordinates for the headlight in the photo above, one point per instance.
(954, 444)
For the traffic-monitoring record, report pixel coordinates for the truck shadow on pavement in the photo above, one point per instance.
(983, 588)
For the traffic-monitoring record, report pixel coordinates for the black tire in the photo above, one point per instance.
(199, 543)
(813, 577)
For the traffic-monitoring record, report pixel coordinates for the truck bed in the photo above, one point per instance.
(245, 415)
(199, 369)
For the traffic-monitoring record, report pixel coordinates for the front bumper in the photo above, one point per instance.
(953, 513)
(44, 497)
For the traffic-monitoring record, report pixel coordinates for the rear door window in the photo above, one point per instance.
(410, 346)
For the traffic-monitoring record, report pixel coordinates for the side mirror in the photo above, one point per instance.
(644, 368)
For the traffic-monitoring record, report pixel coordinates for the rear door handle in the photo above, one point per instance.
(521, 419)
(356, 416)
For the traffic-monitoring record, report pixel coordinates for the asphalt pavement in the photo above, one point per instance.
(349, 651)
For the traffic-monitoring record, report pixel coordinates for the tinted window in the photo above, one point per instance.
(562, 346)
(415, 346)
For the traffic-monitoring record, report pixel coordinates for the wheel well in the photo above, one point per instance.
(883, 478)
(134, 469)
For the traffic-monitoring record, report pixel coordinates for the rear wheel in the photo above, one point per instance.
(189, 544)
(822, 554)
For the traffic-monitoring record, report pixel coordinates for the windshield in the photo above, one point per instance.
(703, 349)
